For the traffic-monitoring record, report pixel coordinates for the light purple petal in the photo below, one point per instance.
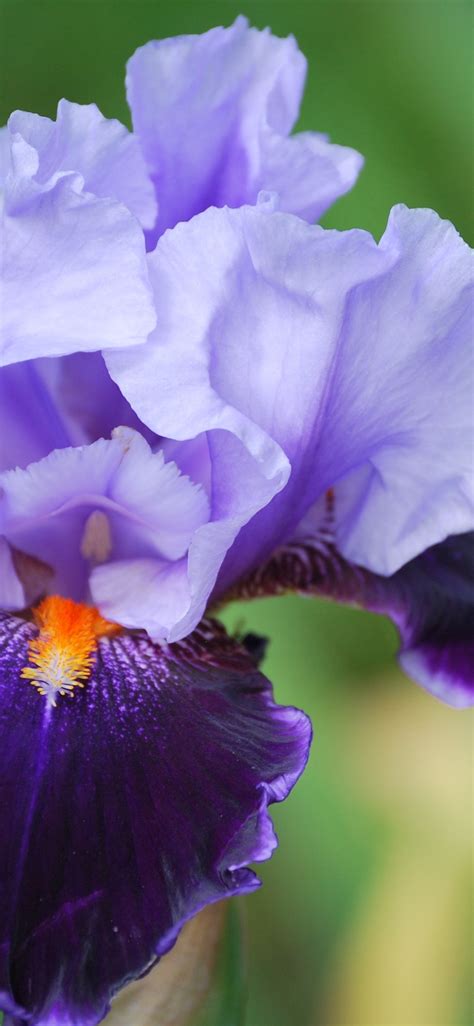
(4, 154)
(56, 402)
(169, 599)
(30, 422)
(307, 172)
(416, 329)
(213, 113)
(108, 157)
(347, 359)
(145, 592)
(73, 273)
(247, 334)
(90, 403)
(99, 504)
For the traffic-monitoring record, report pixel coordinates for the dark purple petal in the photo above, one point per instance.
(127, 808)
(430, 600)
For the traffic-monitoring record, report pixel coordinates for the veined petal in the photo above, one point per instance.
(320, 351)
(73, 272)
(130, 807)
(430, 600)
(213, 113)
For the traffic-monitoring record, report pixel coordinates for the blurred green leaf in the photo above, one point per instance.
(225, 1005)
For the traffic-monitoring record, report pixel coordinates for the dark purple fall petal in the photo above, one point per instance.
(127, 808)
(430, 600)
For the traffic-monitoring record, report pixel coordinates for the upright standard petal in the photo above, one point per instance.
(213, 113)
(72, 271)
(128, 807)
(349, 361)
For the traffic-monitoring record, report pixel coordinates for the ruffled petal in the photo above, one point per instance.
(73, 272)
(307, 172)
(430, 600)
(416, 486)
(114, 500)
(323, 352)
(108, 157)
(129, 807)
(213, 113)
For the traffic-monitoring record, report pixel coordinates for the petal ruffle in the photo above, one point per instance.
(129, 808)
(347, 360)
(213, 113)
(108, 157)
(430, 600)
(73, 271)
(89, 510)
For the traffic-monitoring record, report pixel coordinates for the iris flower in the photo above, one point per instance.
(257, 405)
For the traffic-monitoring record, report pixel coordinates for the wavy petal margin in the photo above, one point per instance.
(127, 809)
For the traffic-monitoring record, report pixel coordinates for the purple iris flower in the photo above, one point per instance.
(137, 767)
(257, 405)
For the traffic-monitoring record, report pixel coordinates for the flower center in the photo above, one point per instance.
(62, 654)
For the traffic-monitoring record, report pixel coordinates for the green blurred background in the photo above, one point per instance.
(365, 916)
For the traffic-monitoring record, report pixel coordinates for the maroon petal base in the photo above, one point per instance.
(430, 600)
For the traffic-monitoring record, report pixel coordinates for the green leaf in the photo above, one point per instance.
(225, 1004)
